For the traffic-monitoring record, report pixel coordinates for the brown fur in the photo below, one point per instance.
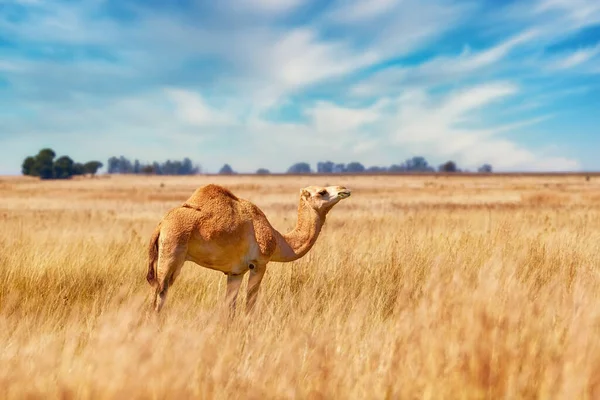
(152, 257)
(218, 230)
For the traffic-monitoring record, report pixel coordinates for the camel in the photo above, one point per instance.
(216, 229)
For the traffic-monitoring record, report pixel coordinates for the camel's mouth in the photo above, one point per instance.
(344, 193)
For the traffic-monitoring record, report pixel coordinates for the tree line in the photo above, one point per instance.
(122, 165)
(414, 164)
(45, 166)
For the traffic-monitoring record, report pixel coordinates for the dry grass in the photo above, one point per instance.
(417, 288)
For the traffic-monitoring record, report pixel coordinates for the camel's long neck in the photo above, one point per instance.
(296, 243)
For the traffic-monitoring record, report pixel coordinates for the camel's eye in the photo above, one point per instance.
(322, 192)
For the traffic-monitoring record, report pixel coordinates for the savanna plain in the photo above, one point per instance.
(419, 287)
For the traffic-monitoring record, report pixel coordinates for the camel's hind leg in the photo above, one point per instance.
(170, 261)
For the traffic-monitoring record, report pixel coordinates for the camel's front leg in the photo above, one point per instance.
(256, 276)
(233, 288)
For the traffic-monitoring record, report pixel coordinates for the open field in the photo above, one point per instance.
(418, 287)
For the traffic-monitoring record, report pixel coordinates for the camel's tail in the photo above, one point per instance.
(152, 257)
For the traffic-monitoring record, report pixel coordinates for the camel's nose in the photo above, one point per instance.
(343, 192)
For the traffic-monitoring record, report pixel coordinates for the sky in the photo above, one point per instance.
(265, 83)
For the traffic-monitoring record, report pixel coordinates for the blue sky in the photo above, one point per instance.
(265, 83)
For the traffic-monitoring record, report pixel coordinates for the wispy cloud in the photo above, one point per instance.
(330, 119)
(270, 7)
(554, 19)
(394, 27)
(191, 108)
(361, 11)
(579, 12)
(575, 58)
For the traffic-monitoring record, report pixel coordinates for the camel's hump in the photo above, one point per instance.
(211, 192)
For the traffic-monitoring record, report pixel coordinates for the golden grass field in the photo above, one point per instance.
(417, 288)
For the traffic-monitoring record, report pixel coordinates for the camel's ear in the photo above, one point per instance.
(304, 194)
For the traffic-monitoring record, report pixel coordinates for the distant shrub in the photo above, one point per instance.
(44, 166)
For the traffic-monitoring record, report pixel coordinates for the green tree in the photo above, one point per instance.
(355, 167)
(398, 168)
(325, 167)
(63, 167)
(417, 164)
(299, 168)
(113, 165)
(485, 168)
(226, 170)
(46, 153)
(375, 169)
(187, 168)
(78, 169)
(44, 163)
(448, 166)
(92, 167)
(28, 166)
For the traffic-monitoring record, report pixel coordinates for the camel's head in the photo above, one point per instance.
(323, 198)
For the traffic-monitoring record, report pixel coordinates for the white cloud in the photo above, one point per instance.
(192, 108)
(267, 6)
(330, 119)
(63, 23)
(554, 19)
(276, 65)
(300, 58)
(361, 10)
(413, 24)
(365, 145)
(575, 58)
(469, 99)
(468, 63)
(24, 2)
(519, 124)
(580, 12)
(7, 66)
